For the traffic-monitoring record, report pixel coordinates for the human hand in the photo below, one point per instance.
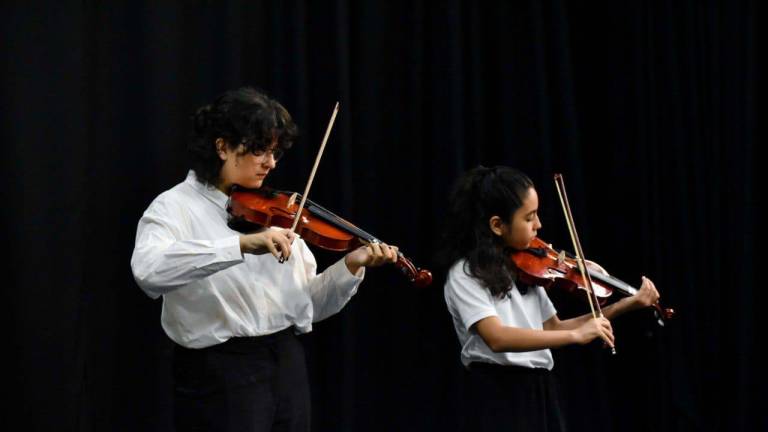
(647, 295)
(594, 328)
(276, 242)
(371, 255)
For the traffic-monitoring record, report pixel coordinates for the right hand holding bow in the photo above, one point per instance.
(274, 241)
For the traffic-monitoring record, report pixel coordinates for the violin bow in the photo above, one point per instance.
(314, 170)
(594, 304)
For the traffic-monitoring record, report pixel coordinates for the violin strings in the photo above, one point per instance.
(617, 283)
(338, 222)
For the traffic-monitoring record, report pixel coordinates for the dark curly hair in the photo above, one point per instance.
(477, 196)
(243, 116)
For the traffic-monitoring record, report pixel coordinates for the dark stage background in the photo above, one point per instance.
(647, 108)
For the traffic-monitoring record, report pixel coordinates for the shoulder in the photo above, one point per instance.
(173, 201)
(460, 280)
(170, 198)
(458, 271)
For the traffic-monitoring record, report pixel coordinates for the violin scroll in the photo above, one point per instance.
(420, 278)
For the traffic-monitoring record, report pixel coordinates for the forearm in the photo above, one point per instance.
(333, 288)
(514, 339)
(569, 324)
(620, 307)
(159, 270)
(610, 312)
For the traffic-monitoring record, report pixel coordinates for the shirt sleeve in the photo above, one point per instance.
(164, 259)
(468, 298)
(332, 289)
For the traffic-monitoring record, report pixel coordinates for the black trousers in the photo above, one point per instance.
(510, 398)
(245, 385)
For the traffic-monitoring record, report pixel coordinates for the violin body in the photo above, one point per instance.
(542, 265)
(253, 209)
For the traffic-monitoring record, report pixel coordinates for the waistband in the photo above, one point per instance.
(247, 343)
(494, 368)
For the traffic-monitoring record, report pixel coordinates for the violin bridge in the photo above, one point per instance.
(561, 257)
(292, 199)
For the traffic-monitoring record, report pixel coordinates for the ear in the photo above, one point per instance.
(496, 225)
(221, 148)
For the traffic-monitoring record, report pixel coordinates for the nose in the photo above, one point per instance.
(537, 226)
(269, 160)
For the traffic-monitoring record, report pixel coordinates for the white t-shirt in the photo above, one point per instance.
(211, 291)
(469, 302)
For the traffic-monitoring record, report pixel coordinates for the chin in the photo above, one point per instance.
(256, 184)
(524, 246)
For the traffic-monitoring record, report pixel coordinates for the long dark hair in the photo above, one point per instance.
(243, 116)
(477, 196)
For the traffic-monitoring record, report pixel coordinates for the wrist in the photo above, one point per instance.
(624, 305)
(573, 337)
(630, 303)
(352, 264)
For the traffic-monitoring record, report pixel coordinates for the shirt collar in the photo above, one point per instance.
(210, 192)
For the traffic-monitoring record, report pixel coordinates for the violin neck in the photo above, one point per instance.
(613, 282)
(338, 222)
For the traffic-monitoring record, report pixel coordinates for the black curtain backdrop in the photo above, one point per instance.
(647, 108)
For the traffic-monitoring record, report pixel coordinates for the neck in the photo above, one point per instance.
(224, 187)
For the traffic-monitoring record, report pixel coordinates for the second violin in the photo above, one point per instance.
(542, 265)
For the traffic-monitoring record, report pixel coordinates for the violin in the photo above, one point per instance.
(252, 209)
(542, 265)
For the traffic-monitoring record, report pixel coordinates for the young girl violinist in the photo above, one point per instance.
(505, 329)
(232, 309)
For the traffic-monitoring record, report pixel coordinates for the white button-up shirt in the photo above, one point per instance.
(211, 291)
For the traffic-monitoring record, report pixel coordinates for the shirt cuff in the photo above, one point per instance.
(341, 273)
(229, 249)
(345, 282)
